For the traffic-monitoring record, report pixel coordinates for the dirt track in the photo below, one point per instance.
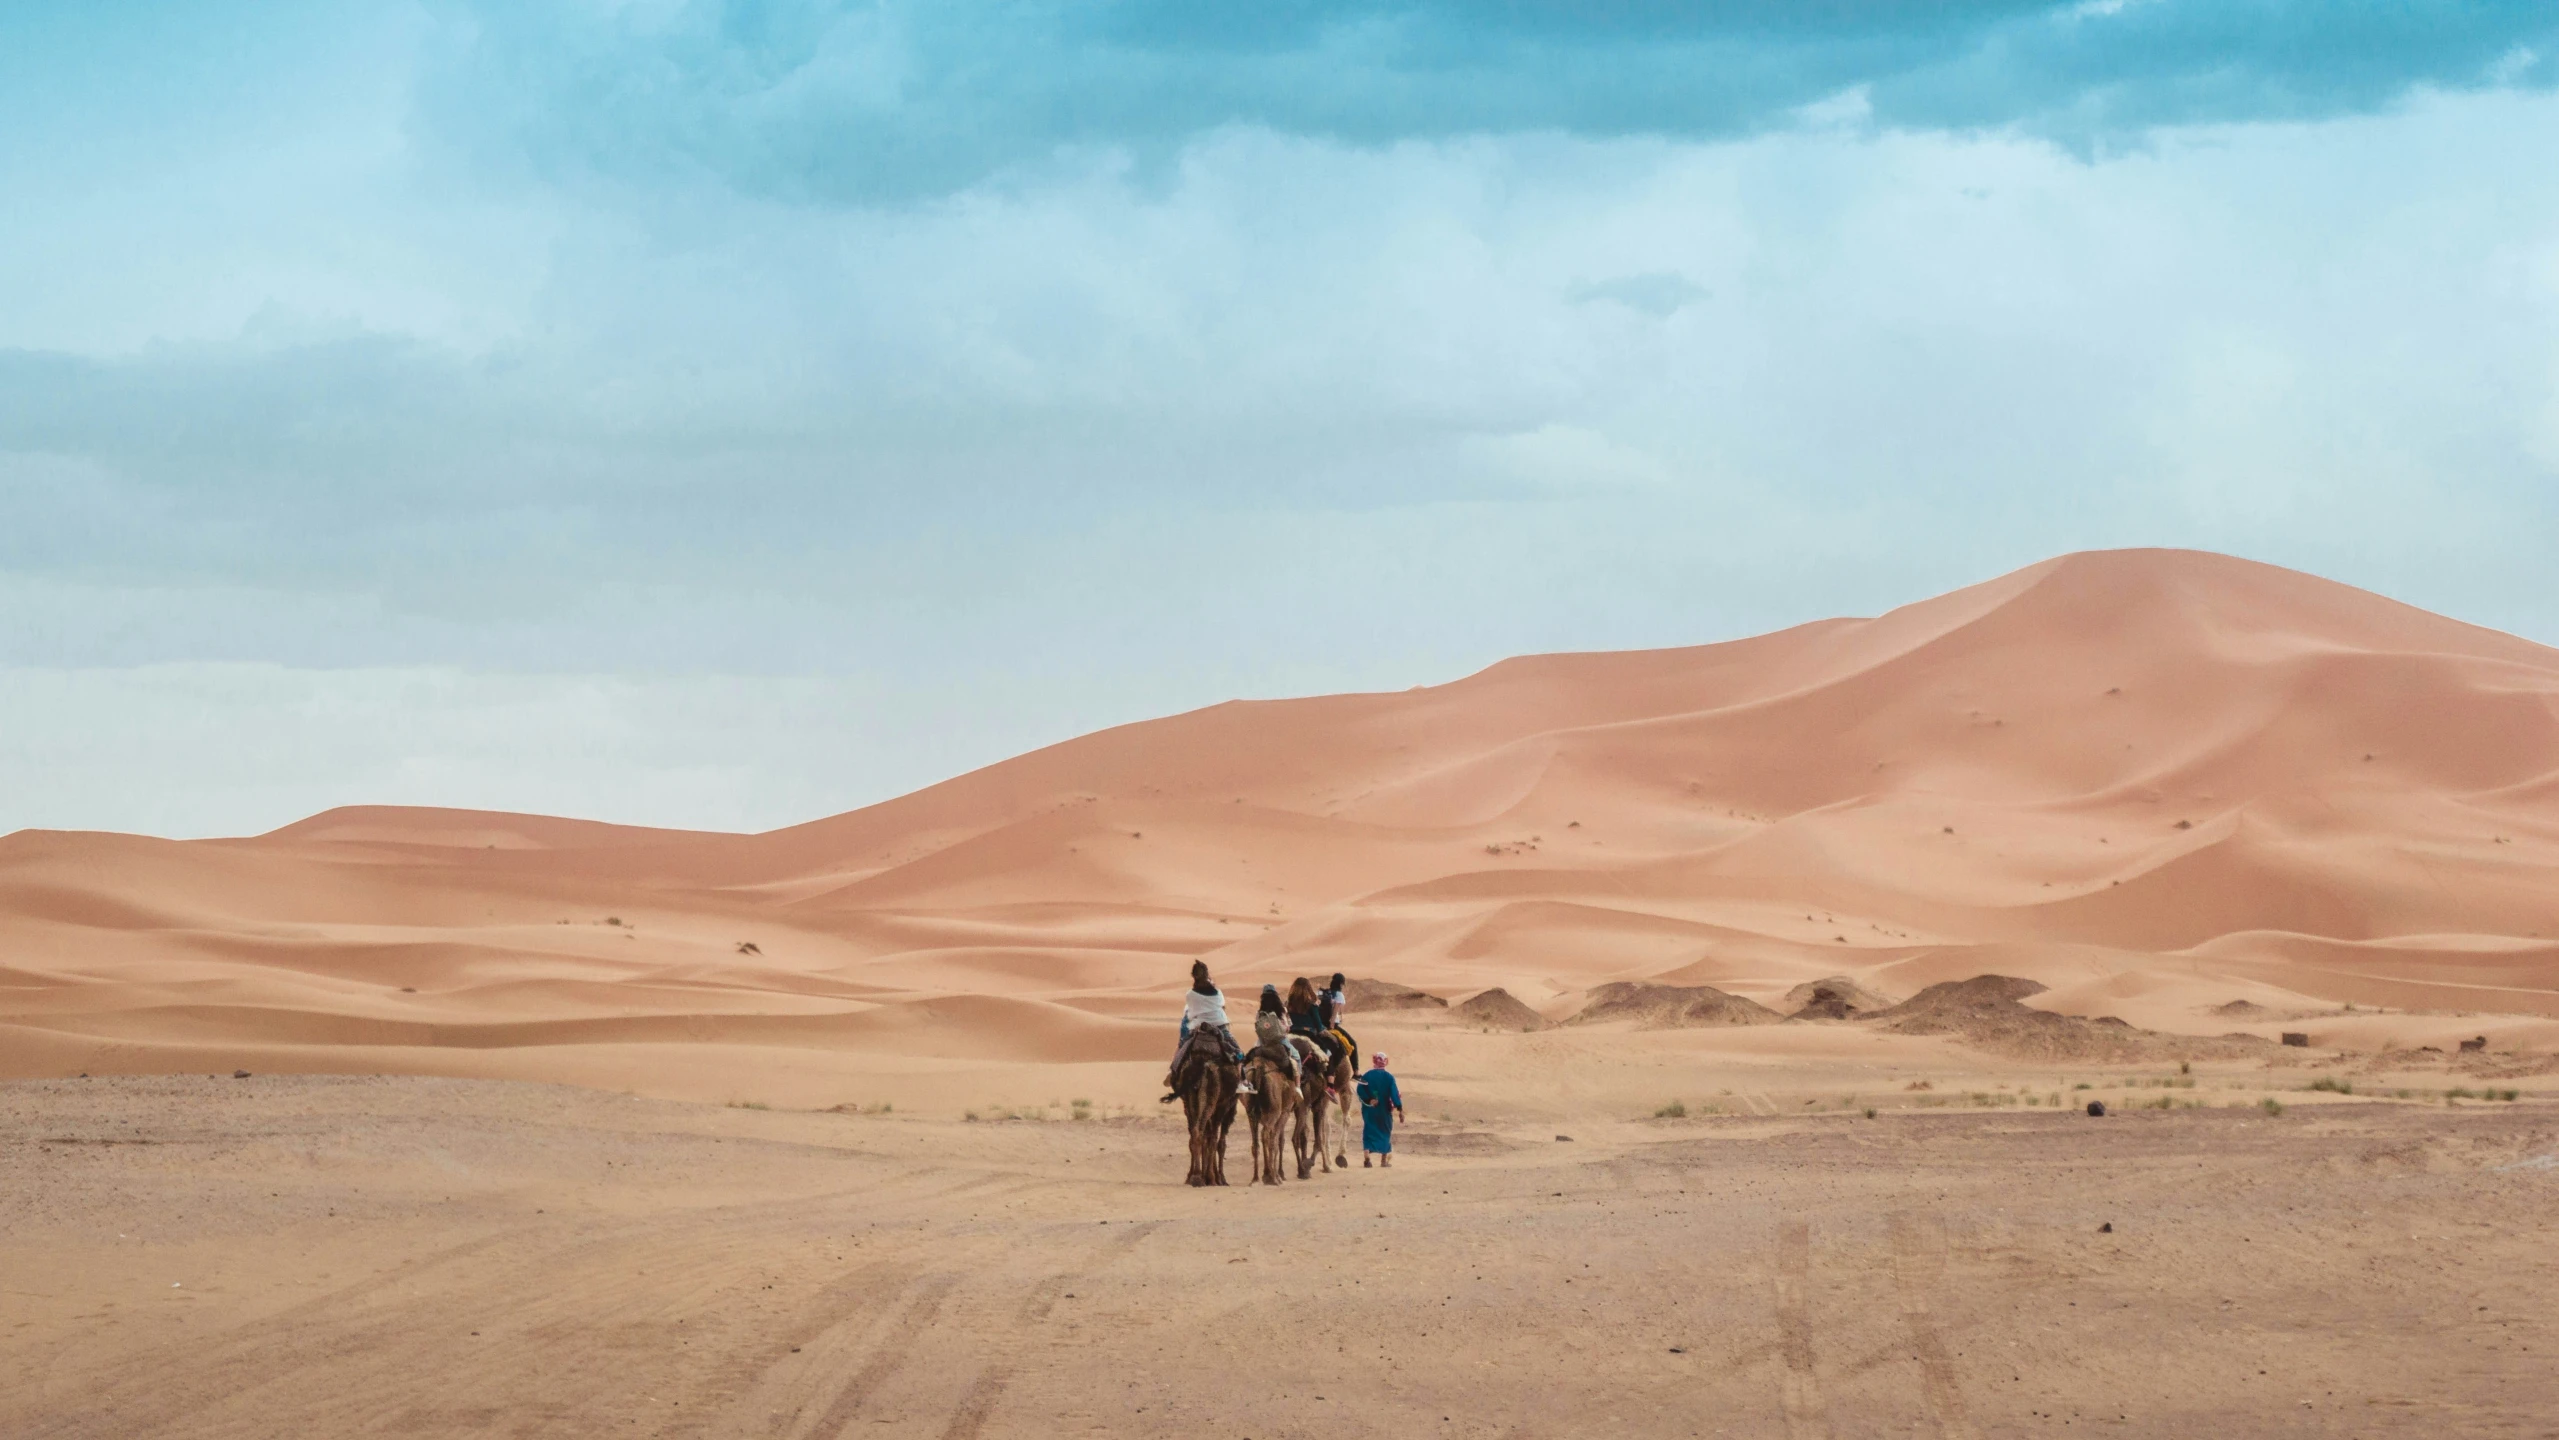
(322, 1257)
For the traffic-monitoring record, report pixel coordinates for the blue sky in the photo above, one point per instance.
(729, 414)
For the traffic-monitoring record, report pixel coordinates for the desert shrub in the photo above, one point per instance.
(2333, 1085)
(1672, 1111)
(2271, 1105)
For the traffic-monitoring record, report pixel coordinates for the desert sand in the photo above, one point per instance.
(879, 1087)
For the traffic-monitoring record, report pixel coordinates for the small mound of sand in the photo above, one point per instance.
(1671, 1007)
(1499, 1009)
(1366, 995)
(2244, 1010)
(1837, 998)
(1984, 1012)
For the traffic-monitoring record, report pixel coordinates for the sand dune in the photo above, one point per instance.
(2153, 782)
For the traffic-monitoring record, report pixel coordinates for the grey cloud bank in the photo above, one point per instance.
(730, 415)
(862, 101)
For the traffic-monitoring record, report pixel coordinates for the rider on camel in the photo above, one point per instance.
(1332, 1002)
(1306, 1017)
(1204, 1007)
(1270, 1031)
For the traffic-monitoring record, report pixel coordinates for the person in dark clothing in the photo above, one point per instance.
(1306, 1017)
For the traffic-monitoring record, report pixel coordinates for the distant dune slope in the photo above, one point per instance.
(2152, 779)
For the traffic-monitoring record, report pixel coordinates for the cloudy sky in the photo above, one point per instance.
(728, 414)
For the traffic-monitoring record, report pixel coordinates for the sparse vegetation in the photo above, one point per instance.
(1082, 1110)
(1672, 1111)
(2271, 1105)
(2332, 1085)
(1870, 1112)
(2459, 1092)
(748, 1105)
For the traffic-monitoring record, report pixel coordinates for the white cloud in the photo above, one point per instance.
(517, 492)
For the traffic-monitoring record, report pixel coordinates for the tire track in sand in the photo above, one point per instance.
(988, 1389)
(898, 1342)
(1919, 1259)
(969, 1420)
(1799, 1390)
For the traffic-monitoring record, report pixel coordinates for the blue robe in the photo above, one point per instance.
(1378, 1100)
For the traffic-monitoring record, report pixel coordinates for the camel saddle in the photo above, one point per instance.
(1311, 1059)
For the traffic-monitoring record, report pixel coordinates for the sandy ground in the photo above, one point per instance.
(2155, 782)
(303, 1255)
(825, 1173)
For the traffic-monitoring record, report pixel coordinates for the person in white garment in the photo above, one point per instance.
(1204, 1007)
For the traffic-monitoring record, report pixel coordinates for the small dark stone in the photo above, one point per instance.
(239, 1074)
(2297, 1039)
(1563, 1137)
(2480, 1043)
(2096, 1107)
(2106, 1229)
(1679, 1349)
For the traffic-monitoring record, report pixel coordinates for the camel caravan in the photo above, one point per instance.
(1301, 1077)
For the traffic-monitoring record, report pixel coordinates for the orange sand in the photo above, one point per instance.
(2155, 781)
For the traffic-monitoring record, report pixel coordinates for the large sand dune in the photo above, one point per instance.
(2152, 781)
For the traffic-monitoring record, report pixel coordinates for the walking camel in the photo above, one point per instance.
(1325, 1080)
(1273, 1102)
(1205, 1079)
(1331, 1080)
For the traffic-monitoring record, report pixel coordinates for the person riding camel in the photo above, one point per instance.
(1333, 1002)
(1270, 1031)
(1306, 1017)
(1204, 1007)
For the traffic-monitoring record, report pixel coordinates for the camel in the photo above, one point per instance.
(1205, 1079)
(1322, 1078)
(1344, 1080)
(1273, 1101)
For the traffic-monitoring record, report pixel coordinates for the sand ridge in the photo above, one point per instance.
(2151, 781)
